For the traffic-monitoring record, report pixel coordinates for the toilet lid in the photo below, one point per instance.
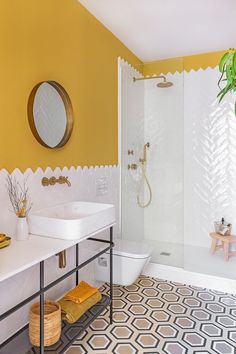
(131, 249)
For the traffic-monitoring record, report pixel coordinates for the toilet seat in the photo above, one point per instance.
(131, 249)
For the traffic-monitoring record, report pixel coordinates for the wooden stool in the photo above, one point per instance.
(225, 243)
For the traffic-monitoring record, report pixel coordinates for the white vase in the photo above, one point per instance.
(22, 230)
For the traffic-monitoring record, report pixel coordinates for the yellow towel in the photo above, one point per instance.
(71, 311)
(82, 292)
(6, 242)
(3, 237)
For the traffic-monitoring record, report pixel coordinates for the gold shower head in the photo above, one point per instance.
(164, 83)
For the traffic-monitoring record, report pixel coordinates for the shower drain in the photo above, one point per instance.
(165, 254)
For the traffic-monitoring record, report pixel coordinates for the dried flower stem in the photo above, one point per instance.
(19, 197)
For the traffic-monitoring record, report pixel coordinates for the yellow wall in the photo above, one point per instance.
(187, 63)
(58, 40)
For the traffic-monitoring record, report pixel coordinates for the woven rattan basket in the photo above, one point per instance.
(52, 323)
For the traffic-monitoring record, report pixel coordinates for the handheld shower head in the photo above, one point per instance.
(144, 159)
(144, 179)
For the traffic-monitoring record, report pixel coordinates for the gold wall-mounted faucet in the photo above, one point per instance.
(53, 180)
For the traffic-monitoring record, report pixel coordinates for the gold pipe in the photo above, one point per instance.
(61, 259)
(149, 78)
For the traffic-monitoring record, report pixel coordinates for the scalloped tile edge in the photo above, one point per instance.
(57, 169)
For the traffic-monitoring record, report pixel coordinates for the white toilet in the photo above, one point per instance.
(129, 259)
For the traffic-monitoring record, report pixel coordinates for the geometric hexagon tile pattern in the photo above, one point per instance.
(161, 317)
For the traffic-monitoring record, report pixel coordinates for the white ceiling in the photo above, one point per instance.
(157, 29)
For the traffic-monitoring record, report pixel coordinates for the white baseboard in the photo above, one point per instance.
(191, 278)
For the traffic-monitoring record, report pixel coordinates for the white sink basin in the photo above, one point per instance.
(71, 221)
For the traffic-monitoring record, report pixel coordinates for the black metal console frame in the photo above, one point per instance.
(44, 288)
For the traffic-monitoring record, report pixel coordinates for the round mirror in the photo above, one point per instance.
(50, 114)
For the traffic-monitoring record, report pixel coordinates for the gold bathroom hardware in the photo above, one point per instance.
(144, 179)
(162, 84)
(149, 78)
(132, 166)
(61, 259)
(53, 180)
(130, 152)
(144, 159)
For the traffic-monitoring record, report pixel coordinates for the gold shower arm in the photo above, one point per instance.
(149, 78)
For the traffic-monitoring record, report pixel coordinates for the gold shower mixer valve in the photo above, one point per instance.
(132, 166)
(130, 152)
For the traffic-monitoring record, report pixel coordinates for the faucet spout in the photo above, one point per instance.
(63, 179)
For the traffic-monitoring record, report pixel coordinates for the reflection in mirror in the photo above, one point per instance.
(50, 114)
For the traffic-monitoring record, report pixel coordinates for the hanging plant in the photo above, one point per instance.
(227, 67)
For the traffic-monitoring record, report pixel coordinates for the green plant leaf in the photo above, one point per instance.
(223, 60)
(227, 67)
(229, 73)
(221, 77)
(224, 91)
(221, 92)
(223, 95)
(234, 64)
(221, 98)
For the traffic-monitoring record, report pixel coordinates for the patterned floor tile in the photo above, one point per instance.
(122, 332)
(155, 316)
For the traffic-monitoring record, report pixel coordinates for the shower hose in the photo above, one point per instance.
(142, 184)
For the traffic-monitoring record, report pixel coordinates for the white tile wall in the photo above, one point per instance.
(191, 164)
(210, 156)
(83, 187)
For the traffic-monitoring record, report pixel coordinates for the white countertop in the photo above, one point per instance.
(21, 255)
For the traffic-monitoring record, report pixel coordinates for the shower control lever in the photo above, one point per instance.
(130, 152)
(132, 166)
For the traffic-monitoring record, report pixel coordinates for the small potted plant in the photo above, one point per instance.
(20, 201)
(227, 67)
